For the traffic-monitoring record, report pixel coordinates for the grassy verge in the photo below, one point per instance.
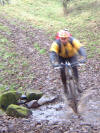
(40, 50)
(14, 68)
(82, 18)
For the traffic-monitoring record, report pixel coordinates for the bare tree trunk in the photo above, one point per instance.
(65, 2)
(3, 2)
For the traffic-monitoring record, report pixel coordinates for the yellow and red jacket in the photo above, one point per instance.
(68, 50)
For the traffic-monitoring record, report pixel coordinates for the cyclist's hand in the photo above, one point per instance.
(56, 64)
(82, 60)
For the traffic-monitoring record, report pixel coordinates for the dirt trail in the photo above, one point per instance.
(56, 117)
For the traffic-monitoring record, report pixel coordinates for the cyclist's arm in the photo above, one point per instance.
(53, 57)
(79, 47)
(82, 51)
(54, 50)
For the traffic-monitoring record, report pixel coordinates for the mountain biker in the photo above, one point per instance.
(65, 48)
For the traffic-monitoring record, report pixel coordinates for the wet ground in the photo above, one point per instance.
(56, 117)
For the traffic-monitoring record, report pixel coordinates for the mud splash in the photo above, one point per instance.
(89, 107)
(89, 110)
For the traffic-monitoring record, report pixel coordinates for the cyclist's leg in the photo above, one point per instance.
(63, 74)
(75, 71)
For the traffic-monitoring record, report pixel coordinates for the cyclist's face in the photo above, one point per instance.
(64, 40)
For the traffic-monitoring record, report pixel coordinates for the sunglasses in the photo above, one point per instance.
(63, 38)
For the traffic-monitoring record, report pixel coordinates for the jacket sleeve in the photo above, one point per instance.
(82, 51)
(54, 47)
(76, 44)
(53, 57)
(79, 47)
(54, 50)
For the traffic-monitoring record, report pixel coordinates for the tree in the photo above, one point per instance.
(3, 2)
(65, 2)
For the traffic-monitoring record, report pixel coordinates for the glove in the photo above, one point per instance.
(83, 61)
(55, 64)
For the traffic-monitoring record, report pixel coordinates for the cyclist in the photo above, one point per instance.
(65, 48)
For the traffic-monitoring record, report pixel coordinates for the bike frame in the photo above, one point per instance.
(71, 84)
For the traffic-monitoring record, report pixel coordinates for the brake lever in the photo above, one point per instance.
(81, 64)
(58, 66)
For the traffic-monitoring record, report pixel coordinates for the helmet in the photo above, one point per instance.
(64, 33)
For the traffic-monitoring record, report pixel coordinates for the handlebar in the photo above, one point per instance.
(68, 64)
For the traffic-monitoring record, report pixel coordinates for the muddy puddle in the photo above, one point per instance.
(53, 113)
(89, 110)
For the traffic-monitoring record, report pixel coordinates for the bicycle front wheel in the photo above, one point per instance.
(72, 96)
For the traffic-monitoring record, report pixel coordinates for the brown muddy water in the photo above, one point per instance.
(89, 111)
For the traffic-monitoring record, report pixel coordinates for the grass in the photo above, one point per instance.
(14, 68)
(5, 29)
(82, 18)
(40, 50)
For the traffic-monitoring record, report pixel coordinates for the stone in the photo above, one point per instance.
(46, 99)
(32, 104)
(8, 98)
(23, 97)
(34, 95)
(18, 111)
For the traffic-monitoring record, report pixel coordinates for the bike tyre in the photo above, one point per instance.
(72, 96)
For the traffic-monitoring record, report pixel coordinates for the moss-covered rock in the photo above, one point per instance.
(8, 98)
(2, 112)
(34, 95)
(18, 111)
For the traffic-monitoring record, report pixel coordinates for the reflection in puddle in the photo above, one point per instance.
(52, 113)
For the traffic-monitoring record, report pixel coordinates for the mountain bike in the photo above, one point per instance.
(72, 92)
